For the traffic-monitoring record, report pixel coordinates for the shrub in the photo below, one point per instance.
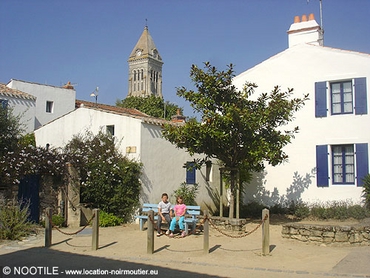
(57, 220)
(366, 191)
(301, 210)
(14, 222)
(109, 219)
(252, 210)
(188, 192)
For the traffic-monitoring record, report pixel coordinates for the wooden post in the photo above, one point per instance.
(48, 226)
(265, 232)
(150, 236)
(206, 233)
(95, 230)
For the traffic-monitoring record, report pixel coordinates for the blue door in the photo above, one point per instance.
(28, 193)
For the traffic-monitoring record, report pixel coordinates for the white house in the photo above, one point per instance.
(51, 101)
(140, 138)
(21, 103)
(330, 155)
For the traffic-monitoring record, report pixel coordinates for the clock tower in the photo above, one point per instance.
(145, 68)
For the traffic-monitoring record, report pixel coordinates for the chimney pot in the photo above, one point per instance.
(304, 18)
(311, 17)
(297, 19)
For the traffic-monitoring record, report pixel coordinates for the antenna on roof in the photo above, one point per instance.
(321, 31)
(321, 26)
(146, 23)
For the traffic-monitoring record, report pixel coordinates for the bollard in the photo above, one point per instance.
(95, 230)
(206, 233)
(48, 226)
(265, 232)
(150, 235)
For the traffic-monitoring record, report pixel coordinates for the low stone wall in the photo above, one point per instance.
(357, 234)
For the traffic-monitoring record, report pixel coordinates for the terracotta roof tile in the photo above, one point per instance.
(9, 92)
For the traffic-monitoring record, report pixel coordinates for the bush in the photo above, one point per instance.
(109, 219)
(57, 220)
(251, 210)
(366, 191)
(188, 192)
(14, 222)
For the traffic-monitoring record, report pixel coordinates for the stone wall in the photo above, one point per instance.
(358, 234)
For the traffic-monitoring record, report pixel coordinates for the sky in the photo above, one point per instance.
(88, 42)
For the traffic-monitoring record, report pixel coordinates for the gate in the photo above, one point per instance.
(28, 193)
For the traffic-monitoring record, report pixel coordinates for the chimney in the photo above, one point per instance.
(68, 86)
(304, 30)
(178, 118)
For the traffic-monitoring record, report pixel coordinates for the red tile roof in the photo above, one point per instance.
(9, 92)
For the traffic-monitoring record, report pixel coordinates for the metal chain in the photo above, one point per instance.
(239, 236)
(70, 234)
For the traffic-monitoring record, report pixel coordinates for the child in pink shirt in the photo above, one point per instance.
(180, 210)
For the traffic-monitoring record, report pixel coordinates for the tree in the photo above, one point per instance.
(152, 105)
(11, 130)
(234, 128)
(109, 180)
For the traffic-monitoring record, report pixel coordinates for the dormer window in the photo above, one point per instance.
(49, 107)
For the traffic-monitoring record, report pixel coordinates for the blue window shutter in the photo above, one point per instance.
(362, 162)
(320, 99)
(360, 96)
(322, 173)
(190, 173)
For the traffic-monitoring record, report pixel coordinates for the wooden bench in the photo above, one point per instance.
(190, 217)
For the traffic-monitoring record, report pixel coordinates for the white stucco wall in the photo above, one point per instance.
(164, 168)
(25, 109)
(299, 67)
(63, 99)
(163, 163)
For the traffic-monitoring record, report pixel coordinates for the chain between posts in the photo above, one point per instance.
(238, 236)
(219, 230)
(70, 234)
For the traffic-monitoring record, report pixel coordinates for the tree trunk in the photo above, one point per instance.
(232, 196)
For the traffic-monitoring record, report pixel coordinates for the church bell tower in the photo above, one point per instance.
(145, 68)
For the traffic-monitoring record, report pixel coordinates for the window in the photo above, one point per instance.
(343, 161)
(345, 97)
(341, 97)
(49, 106)
(3, 103)
(190, 172)
(110, 129)
(349, 164)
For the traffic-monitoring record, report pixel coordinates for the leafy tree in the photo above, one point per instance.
(109, 180)
(234, 128)
(152, 105)
(11, 130)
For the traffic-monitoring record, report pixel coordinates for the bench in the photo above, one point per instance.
(190, 217)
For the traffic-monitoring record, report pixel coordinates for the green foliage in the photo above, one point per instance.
(188, 192)
(109, 219)
(234, 128)
(58, 220)
(366, 190)
(13, 221)
(152, 105)
(11, 130)
(338, 210)
(109, 180)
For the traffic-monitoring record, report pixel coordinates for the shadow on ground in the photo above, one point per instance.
(40, 260)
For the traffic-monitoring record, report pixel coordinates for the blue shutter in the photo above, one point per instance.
(322, 174)
(360, 96)
(320, 99)
(190, 173)
(362, 162)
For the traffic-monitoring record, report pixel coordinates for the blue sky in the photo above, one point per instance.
(88, 42)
